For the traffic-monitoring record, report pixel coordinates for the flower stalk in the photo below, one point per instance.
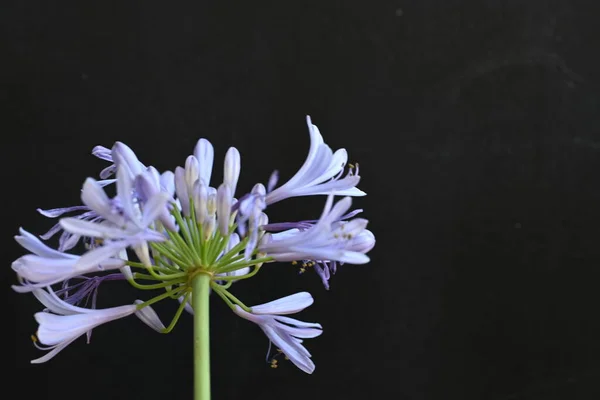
(200, 304)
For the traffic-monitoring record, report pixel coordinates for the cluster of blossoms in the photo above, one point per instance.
(178, 227)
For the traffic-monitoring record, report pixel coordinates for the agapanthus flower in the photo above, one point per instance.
(321, 173)
(47, 266)
(62, 323)
(180, 233)
(284, 332)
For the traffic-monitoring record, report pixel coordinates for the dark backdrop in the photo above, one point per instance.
(475, 125)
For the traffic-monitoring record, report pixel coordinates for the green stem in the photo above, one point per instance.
(200, 296)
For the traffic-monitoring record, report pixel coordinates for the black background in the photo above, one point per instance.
(475, 125)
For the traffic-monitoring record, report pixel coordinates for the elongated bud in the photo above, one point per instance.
(182, 191)
(224, 201)
(167, 182)
(231, 171)
(211, 204)
(200, 200)
(205, 154)
(209, 226)
(191, 172)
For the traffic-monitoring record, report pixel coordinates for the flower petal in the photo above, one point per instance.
(91, 229)
(100, 255)
(33, 244)
(286, 305)
(154, 208)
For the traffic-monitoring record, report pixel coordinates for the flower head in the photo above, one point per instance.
(175, 230)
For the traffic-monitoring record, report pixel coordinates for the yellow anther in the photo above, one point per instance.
(302, 270)
(287, 358)
(279, 351)
(351, 165)
(34, 338)
(294, 262)
(273, 365)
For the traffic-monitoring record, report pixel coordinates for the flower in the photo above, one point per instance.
(329, 239)
(362, 243)
(62, 323)
(320, 174)
(47, 266)
(286, 333)
(124, 224)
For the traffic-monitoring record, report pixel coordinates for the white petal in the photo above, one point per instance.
(325, 253)
(304, 333)
(91, 229)
(48, 356)
(297, 323)
(147, 183)
(58, 306)
(337, 187)
(93, 196)
(33, 244)
(286, 305)
(46, 270)
(154, 208)
(57, 212)
(100, 255)
(316, 140)
(123, 155)
(125, 194)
